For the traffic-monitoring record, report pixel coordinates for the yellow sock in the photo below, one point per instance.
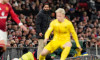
(78, 52)
(41, 57)
(65, 53)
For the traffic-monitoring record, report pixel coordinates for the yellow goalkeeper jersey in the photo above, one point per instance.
(62, 31)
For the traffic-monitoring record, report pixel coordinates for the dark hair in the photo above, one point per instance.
(25, 50)
(45, 4)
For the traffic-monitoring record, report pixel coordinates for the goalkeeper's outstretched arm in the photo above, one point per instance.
(74, 34)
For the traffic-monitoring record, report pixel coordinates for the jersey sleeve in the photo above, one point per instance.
(13, 15)
(74, 34)
(49, 30)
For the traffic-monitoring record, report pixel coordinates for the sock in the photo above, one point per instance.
(41, 57)
(78, 52)
(65, 53)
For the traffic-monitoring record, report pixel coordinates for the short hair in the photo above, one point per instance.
(60, 10)
(45, 4)
(25, 50)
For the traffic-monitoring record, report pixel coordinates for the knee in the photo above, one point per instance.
(68, 44)
(43, 54)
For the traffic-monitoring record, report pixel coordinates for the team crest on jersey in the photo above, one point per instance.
(7, 8)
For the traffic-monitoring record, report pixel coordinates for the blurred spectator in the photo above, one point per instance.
(26, 43)
(35, 43)
(12, 42)
(97, 4)
(73, 1)
(98, 15)
(94, 15)
(93, 42)
(30, 45)
(84, 17)
(20, 45)
(17, 41)
(14, 45)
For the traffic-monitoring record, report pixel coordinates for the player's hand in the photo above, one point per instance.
(80, 48)
(24, 28)
(40, 34)
(45, 41)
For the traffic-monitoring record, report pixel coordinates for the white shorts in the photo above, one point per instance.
(3, 37)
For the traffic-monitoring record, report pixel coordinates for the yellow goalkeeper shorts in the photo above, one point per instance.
(55, 44)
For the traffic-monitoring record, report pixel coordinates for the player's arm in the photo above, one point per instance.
(14, 16)
(16, 19)
(74, 34)
(48, 32)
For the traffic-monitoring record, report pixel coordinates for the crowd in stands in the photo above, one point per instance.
(84, 14)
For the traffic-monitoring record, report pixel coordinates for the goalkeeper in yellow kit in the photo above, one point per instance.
(62, 29)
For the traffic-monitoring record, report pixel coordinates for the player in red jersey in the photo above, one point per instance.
(5, 9)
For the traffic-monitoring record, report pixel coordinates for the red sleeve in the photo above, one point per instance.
(13, 15)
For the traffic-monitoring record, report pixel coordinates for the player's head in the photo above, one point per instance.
(46, 7)
(5, 1)
(60, 14)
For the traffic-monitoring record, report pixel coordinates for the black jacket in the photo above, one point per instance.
(42, 23)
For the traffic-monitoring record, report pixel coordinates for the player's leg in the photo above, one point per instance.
(66, 50)
(49, 48)
(3, 42)
(43, 54)
(78, 53)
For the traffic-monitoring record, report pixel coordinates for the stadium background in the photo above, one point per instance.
(84, 14)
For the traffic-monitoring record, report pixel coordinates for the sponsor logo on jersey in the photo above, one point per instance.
(3, 16)
(0, 8)
(3, 13)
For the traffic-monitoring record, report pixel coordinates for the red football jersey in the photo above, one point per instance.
(6, 9)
